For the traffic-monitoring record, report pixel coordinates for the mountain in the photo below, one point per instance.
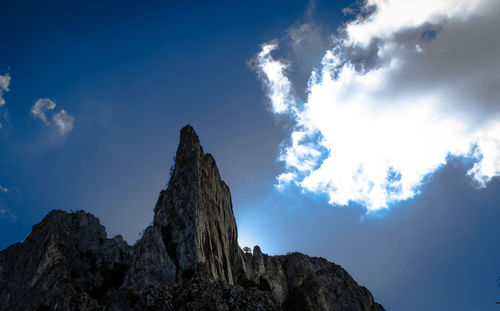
(188, 259)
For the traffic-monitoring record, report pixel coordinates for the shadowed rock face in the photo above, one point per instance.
(66, 262)
(300, 282)
(189, 259)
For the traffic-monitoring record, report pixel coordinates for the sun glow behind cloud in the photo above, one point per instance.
(401, 90)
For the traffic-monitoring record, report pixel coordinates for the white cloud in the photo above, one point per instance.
(62, 121)
(4, 87)
(393, 15)
(273, 74)
(401, 90)
(40, 107)
(5, 212)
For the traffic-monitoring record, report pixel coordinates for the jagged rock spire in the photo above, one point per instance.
(195, 215)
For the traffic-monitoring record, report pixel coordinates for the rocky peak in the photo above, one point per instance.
(66, 255)
(188, 259)
(195, 215)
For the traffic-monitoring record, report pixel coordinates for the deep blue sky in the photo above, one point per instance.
(132, 75)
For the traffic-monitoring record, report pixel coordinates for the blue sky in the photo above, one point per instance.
(131, 75)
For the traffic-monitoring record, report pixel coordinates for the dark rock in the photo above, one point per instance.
(66, 263)
(189, 259)
(151, 262)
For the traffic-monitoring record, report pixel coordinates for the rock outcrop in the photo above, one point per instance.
(188, 259)
(66, 263)
(300, 282)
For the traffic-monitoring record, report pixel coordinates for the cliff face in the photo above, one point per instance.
(189, 259)
(195, 214)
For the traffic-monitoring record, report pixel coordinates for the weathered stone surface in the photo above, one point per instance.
(219, 295)
(195, 214)
(151, 262)
(300, 282)
(189, 259)
(66, 263)
(194, 295)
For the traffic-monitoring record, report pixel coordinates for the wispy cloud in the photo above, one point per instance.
(4, 87)
(405, 85)
(272, 72)
(311, 6)
(6, 213)
(40, 107)
(61, 121)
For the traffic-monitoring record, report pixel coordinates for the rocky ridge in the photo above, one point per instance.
(188, 259)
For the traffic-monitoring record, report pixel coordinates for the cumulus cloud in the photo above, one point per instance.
(61, 121)
(406, 85)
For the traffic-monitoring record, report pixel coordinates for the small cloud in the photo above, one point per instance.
(311, 6)
(300, 33)
(62, 121)
(40, 107)
(348, 11)
(5, 212)
(271, 72)
(4, 87)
